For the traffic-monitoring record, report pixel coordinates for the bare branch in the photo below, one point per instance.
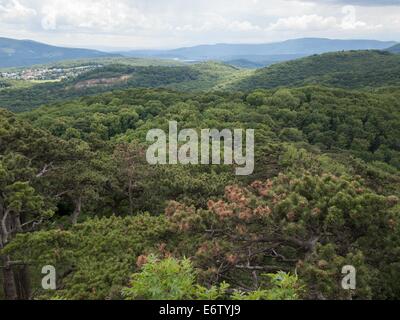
(62, 193)
(262, 268)
(46, 168)
(283, 258)
(4, 227)
(33, 222)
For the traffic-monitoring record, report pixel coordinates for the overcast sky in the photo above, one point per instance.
(176, 23)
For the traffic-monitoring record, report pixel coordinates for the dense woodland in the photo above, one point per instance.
(126, 73)
(347, 69)
(77, 192)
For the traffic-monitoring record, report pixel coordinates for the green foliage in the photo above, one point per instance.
(94, 259)
(347, 69)
(166, 280)
(74, 183)
(284, 287)
(314, 223)
(333, 120)
(172, 279)
(203, 76)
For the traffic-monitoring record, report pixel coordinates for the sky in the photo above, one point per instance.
(152, 24)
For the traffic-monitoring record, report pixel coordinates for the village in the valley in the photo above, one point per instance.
(46, 73)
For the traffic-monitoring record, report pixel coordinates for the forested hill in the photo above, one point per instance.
(198, 77)
(348, 69)
(394, 49)
(17, 53)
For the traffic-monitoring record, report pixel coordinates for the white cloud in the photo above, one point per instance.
(161, 23)
(12, 11)
(350, 20)
(214, 22)
(304, 23)
(100, 15)
(315, 22)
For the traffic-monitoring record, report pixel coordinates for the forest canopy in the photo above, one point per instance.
(77, 193)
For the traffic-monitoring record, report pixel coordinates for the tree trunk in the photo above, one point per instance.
(4, 227)
(16, 280)
(130, 197)
(10, 289)
(23, 282)
(77, 211)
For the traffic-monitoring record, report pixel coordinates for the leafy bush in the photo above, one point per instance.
(171, 279)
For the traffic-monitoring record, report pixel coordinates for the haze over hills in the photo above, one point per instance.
(263, 53)
(19, 53)
(394, 49)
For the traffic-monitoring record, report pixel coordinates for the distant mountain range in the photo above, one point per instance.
(262, 54)
(21, 53)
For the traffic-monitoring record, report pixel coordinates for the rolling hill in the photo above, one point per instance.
(18, 53)
(197, 77)
(394, 49)
(351, 69)
(348, 69)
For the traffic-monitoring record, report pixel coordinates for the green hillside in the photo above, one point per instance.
(106, 61)
(349, 69)
(394, 49)
(4, 84)
(198, 77)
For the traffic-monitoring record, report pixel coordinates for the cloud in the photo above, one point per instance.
(316, 22)
(160, 23)
(350, 19)
(304, 22)
(214, 22)
(372, 3)
(100, 15)
(128, 17)
(12, 11)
